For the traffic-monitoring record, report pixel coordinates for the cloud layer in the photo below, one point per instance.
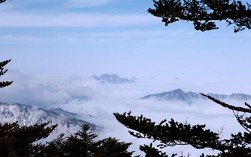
(86, 96)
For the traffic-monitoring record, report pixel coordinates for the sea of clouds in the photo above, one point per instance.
(86, 96)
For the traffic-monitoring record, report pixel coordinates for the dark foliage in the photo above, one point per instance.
(173, 133)
(204, 13)
(150, 151)
(111, 147)
(82, 144)
(2, 72)
(16, 141)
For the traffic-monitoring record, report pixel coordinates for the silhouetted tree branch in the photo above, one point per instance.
(204, 13)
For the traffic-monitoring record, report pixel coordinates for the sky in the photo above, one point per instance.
(56, 45)
(86, 37)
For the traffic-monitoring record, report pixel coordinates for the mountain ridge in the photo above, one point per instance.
(180, 95)
(26, 115)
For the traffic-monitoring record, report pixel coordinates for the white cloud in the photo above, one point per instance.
(54, 39)
(73, 20)
(27, 39)
(59, 4)
(87, 3)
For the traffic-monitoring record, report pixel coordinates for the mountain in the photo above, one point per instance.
(179, 95)
(112, 78)
(28, 115)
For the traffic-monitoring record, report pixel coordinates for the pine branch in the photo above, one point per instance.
(2, 72)
(203, 13)
(173, 133)
(3, 63)
(5, 83)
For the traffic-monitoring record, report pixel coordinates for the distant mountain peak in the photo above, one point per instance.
(178, 90)
(112, 78)
(180, 95)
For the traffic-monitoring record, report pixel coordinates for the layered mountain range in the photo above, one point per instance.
(112, 78)
(24, 115)
(180, 95)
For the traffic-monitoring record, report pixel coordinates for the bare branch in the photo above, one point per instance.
(241, 122)
(231, 107)
(247, 105)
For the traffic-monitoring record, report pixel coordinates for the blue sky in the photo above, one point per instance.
(87, 37)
